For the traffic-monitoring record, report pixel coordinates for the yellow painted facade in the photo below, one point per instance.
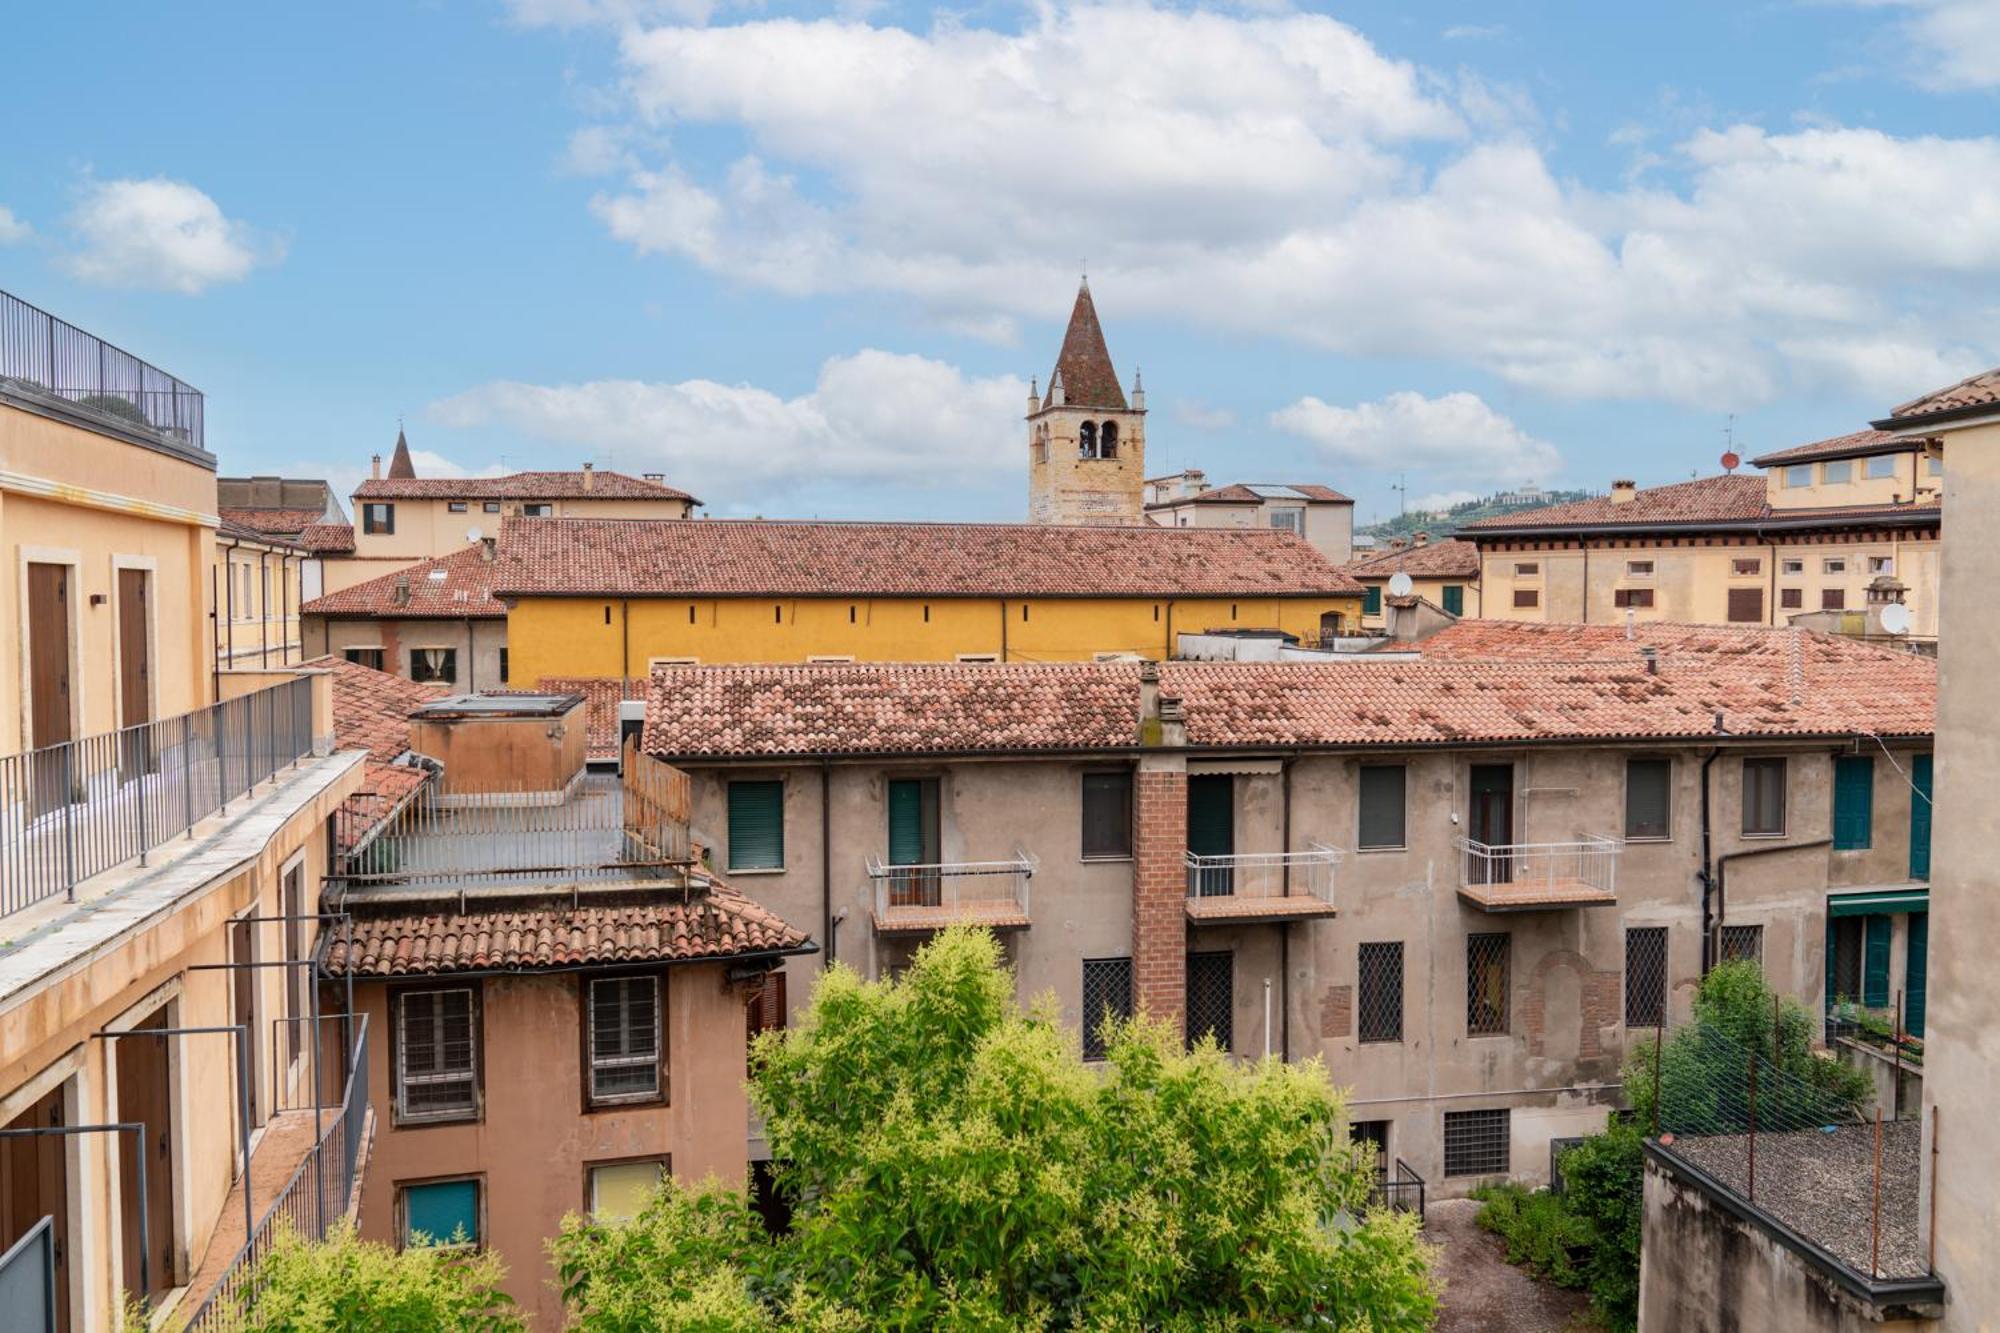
(577, 636)
(1430, 589)
(255, 592)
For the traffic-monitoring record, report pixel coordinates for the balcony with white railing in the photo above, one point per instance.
(1262, 886)
(1539, 876)
(914, 899)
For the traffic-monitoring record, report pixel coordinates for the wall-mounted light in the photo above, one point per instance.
(98, 599)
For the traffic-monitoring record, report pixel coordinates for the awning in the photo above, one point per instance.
(1878, 901)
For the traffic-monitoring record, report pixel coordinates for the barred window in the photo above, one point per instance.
(1477, 1143)
(437, 1055)
(1211, 997)
(624, 1039)
(1107, 989)
(1645, 976)
(1742, 944)
(1381, 988)
(1486, 985)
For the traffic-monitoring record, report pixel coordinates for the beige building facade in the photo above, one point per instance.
(255, 591)
(434, 621)
(1320, 514)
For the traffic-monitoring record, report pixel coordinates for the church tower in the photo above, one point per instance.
(1086, 442)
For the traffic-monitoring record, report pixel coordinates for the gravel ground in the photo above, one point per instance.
(1483, 1292)
(1821, 1184)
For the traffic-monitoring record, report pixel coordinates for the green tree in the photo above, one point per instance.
(953, 1163)
(347, 1285)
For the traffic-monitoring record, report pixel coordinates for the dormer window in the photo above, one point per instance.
(1086, 440)
(1107, 438)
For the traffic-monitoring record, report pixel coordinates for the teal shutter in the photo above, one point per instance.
(1371, 600)
(1211, 828)
(756, 825)
(911, 817)
(1916, 963)
(1875, 963)
(1853, 801)
(1920, 818)
(444, 1211)
(1832, 975)
(1454, 599)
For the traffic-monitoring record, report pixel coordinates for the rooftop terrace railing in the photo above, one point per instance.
(44, 354)
(75, 810)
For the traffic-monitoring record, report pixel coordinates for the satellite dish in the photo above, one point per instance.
(1400, 584)
(1729, 460)
(1896, 618)
(473, 534)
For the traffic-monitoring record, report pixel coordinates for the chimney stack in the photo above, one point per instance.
(402, 593)
(589, 476)
(487, 548)
(375, 467)
(1624, 491)
(1422, 537)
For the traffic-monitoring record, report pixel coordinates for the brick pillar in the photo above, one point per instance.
(1159, 889)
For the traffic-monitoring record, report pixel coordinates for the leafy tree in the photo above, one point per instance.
(347, 1285)
(952, 1163)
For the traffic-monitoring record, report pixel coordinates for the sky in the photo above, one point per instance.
(805, 259)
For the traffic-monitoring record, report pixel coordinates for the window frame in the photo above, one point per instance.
(1784, 767)
(1094, 1049)
(381, 655)
(1798, 476)
(1663, 761)
(1833, 564)
(478, 1181)
(1129, 839)
(1650, 1006)
(537, 509)
(1527, 599)
(1639, 569)
(1881, 564)
(1734, 596)
(1837, 472)
(1527, 569)
(1503, 1025)
(1402, 812)
(1746, 567)
(1731, 952)
(1364, 1004)
(400, 1115)
(378, 518)
(1491, 1115)
(1885, 472)
(1866, 816)
(659, 1093)
(1833, 599)
(455, 506)
(489, 507)
(1634, 599)
(1791, 599)
(729, 838)
(1792, 565)
(450, 669)
(665, 1161)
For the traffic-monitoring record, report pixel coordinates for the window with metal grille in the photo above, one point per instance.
(1648, 797)
(1382, 796)
(624, 1039)
(1746, 606)
(437, 1055)
(1486, 985)
(1477, 1143)
(1646, 976)
(1764, 797)
(1381, 991)
(1107, 814)
(756, 825)
(1107, 989)
(1374, 1133)
(1211, 997)
(1741, 944)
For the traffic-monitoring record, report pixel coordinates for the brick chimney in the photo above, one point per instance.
(589, 476)
(487, 547)
(374, 467)
(401, 596)
(1624, 491)
(1159, 870)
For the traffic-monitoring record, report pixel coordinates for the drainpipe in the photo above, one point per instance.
(1003, 629)
(624, 647)
(826, 857)
(229, 588)
(1707, 843)
(1285, 927)
(1168, 655)
(264, 611)
(1586, 582)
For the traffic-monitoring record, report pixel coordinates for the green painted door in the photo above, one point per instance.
(1920, 817)
(1916, 964)
(1875, 962)
(1853, 802)
(1211, 828)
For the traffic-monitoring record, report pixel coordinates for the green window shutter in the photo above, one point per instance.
(1916, 964)
(444, 1211)
(1853, 801)
(1211, 821)
(756, 825)
(1920, 817)
(1875, 963)
(1371, 600)
(1454, 599)
(912, 816)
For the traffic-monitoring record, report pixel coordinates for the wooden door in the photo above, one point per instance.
(135, 672)
(247, 1004)
(49, 720)
(1492, 821)
(34, 1183)
(144, 1097)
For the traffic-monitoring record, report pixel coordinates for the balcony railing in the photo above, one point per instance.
(1523, 876)
(41, 354)
(1262, 886)
(78, 809)
(916, 898)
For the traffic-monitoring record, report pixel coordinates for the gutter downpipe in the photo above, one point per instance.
(624, 647)
(1707, 845)
(1003, 629)
(1285, 927)
(1168, 655)
(826, 858)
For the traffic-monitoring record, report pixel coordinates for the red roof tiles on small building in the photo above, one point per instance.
(371, 709)
(281, 522)
(327, 538)
(595, 485)
(1734, 500)
(1854, 444)
(1449, 559)
(455, 586)
(1245, 492)
(601, 697)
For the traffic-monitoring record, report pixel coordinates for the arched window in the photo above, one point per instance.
(1107, 440)
(1086, 440)
(1040, 448)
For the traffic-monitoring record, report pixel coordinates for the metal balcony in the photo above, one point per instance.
(1262, 886)
(915, 899)
(1539, 876)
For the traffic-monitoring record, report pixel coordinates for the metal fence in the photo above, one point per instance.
(1589, 862)
(41, 353)
(1306, 874)
(74, 810)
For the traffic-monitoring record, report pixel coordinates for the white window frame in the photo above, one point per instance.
(1881, 564)
(1791, 567)
(1638, 569)
(1835, 564)
(649, 1060)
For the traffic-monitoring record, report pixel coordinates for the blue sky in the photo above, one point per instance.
(804, 259)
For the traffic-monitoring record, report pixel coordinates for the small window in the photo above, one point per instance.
(1528, 569)
(1486, 985)
(1853, 802)
(1371, 600)
(1638, 569)
(1792, 599)
(490, 507)
(1838, 472)
(1380, 992)
(1746, 606)
(455, 506)
(1648, 798)
(1742, 944)
(368, 657)
(1107, 815)
(757, 825)
(620, 1191)
(1764, 797)
(1454, 599)
(1791, 566)
(378, 518)
(1286, 519)
(979, 657)
(1086, 440)
(1374, 1133)
(1382, 788)
(503, 666)
(624, 1038)
(1833, 599)
(434, 664)
(437, 1056)
(1881, 564)
(1799, 474)
(1107, 440)
(1745, 568)
(1107, 989)
(440, 1212)
(1637, 598)
(1833, 565)
(1880, 466)
(538, 510)
(1477, 1143)
(830, 659)
(1527, 597)
(653, 663)
(1646, 977)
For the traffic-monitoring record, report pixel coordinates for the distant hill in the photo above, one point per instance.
(1443, 524)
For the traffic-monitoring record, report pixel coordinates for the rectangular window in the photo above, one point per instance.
(434, 664)
(1287, 519)
(1528, 569)
(1382, 805)
(624, 1038)
(437, 1055)
(1649, 785)
(1837, 473)
(1454, 599)
(1371, 600)
(1764, 798)
(1746, 606)
(1791, 566)
(1853, 802)
(1525, 598)
(1934, 464)
(1638, 569)
(440, 1212)
(291, 901)
(1741, 944)
(503, 666)
(1477, 1143)
(620, 1191)
(756, 825)
(1636, 598)
(1107, 814)
(1833, 599)
(537, 510)
(1107, 990)
(1211, 998)
(1833, 565)
(1880, 466)
(1745, 568)
(1486, 985)
(368, 657)
(378, 518)
(1380, 993)
(490, 507)
(1881, 564)
(1799, 474)
(455, 506)
(1791, 599)
(1646, 977)
(1844, 969)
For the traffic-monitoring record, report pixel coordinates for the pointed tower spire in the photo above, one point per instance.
(399, 462)
(1083, 367)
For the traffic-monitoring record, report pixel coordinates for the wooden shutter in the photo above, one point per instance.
(756, 825)
(1107, 814)
(1371, 600)
(913, 822)
(1853, 801)
(1920, 817)
(1746, 606)
(1211, 819)
(1916, 966)
(1875, 962)
(1454, 599)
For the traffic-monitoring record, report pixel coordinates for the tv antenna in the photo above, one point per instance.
(1402, 490)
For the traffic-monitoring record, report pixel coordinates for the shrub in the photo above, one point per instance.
(347, 1285)
(1541, 1234)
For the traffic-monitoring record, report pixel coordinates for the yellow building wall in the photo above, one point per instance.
(1908, 475)
(1432, 591)
(256, 605)
(560, 636)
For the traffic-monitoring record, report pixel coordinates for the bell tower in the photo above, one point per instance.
(1086, 442)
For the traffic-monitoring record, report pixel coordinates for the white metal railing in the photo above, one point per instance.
(1306, 874)
(951, 888)
(1523, 867)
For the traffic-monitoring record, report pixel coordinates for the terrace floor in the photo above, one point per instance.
(273, 1159)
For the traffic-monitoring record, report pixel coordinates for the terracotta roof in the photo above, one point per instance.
(1248, 492)
(1734, 499)
(327, 537)
(1854, 444)
(1973, 392)
(371, 709)
(750, 558)
(1448, 559)
(890, 707)
(400, 467)
(661, 926)
(519, 486)
(236, 532)
(465, 589)
(601, 697)
(283, 522)
(1084, 364)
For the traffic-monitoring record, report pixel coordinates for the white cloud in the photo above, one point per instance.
(1437, 502)
(874, 416)
(1457, 433)
(1200, 416)
(13, 230)
(162, 235)
(1953, 45)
